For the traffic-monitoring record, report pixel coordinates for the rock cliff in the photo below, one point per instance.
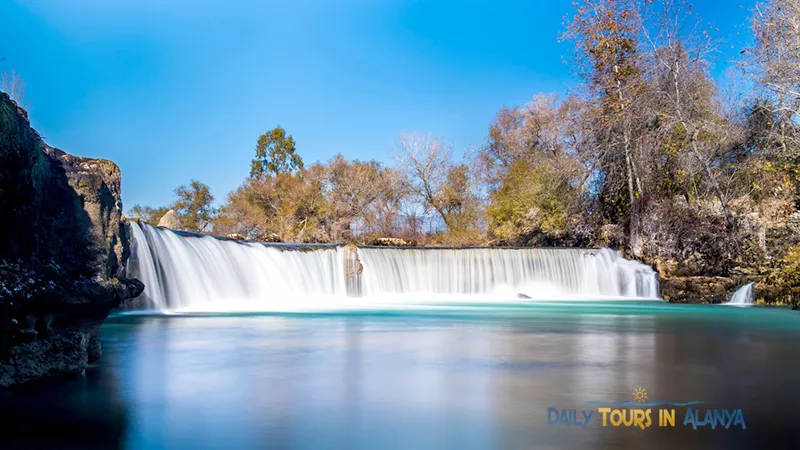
(63, 250)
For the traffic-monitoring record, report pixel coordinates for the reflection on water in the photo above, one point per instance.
(81, 412)
(457, 378)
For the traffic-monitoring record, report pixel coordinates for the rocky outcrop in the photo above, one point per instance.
(63, 250)
(697, 289)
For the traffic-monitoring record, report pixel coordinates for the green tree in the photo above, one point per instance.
(275, 154)
(194, 207)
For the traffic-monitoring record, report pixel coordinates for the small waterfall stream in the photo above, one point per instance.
(205, 272)
(743, 296)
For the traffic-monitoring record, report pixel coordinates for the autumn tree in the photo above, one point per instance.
(275, 154)
(194, 207)
(351, 187)
(364, 197)
(291, 206)
(536, 169)
(606, 35)
(386, 215)
(459, 205)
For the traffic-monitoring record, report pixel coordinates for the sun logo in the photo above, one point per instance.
(640, 394)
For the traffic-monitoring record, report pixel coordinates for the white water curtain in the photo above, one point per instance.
(181, 271)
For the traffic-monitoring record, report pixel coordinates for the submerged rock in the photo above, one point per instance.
(63, 252)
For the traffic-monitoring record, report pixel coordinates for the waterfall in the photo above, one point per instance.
(743, 296)
(535, 272)
(185, 271)
(182, 270)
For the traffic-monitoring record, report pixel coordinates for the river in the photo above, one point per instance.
(463, 376)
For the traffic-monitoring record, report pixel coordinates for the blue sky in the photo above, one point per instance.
(180, 90)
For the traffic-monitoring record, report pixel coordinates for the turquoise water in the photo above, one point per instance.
(464, 376)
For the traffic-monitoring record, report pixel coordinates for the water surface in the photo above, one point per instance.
(466, 376)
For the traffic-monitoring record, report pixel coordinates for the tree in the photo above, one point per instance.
(440, 186)
(148, 214)
(775, 56)
(385, 215)
(275, 154)
(292, 206)
(532, 199)
(457, 201)
(426, 162)
(351, 188)
(606, 36)
(536, 168)
(682, 94)
(337, 201)
(194, 207)
(774, 63)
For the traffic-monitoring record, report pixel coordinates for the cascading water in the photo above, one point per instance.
(205, 272)
(743, 296)
(185, 271)
(535, 272)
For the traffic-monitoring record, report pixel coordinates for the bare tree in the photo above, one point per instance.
(426, 162)
(684, 95)
(774, 60)
(13, 85)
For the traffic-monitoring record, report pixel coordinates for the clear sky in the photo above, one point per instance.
(180, 90)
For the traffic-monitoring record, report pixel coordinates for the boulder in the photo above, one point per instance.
(64, 246)
(170, 220)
